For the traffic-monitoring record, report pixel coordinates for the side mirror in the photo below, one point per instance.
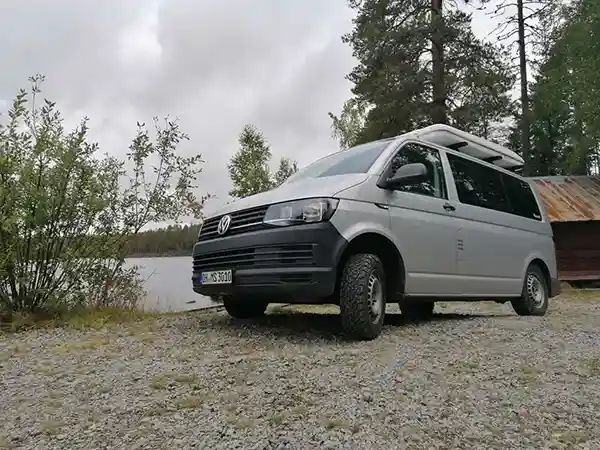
(408, 174)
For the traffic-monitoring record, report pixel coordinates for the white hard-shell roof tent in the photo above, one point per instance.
(469, 144)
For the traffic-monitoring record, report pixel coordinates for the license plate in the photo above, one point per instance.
(217, 277)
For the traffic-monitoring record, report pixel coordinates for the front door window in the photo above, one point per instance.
(435, 185)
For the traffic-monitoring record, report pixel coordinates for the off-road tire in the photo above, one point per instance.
(355, 311)
(528, 304)
(416, 310)
(244, 308)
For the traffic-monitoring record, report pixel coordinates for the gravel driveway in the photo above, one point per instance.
(475, 377)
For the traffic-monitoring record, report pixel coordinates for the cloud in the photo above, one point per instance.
(214, 65)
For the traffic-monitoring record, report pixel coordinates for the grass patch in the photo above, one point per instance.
(462, 367)
(570, 437)
(241, 423)
(163, 381)
(305, 309)
(80, 319)
(51, 427)
(185, 379)
(191, 402)
(92, 344)
(580, 294)
(470, 365)
(47, 371)
(529, 375)
(5, 444)
(299, 410)
(155, 411)
(277, 419)
(13, 351)
(159, 382)
(54, 403)
(98, 319)
(334, 424)
(593, 365)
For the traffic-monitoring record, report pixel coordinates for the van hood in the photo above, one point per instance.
(307, 188)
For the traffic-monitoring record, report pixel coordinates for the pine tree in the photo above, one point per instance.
(526, 24)
(420, 63)
(565, 97)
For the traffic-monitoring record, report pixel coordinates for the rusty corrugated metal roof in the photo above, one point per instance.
(570, 199)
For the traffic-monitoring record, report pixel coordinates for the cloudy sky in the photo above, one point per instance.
(214, 64)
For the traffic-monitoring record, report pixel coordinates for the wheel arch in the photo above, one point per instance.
(541, 264)
(387, 251)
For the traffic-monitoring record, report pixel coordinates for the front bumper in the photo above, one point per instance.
(279, 264)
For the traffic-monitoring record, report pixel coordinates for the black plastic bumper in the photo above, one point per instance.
(554, 287)
(279, 264)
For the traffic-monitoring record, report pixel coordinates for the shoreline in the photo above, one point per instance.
(159, 255)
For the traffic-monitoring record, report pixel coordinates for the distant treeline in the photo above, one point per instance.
(174, 240)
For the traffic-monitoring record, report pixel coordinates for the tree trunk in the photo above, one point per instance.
(438, 114)
(525, 111)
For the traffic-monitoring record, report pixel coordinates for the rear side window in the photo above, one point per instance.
(521, 198)
(478, 185)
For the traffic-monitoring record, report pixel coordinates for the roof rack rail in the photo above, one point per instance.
(516, 169)
(469, 144)
(491, 159)
(457, 145)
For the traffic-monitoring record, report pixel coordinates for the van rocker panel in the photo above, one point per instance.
(278, 264)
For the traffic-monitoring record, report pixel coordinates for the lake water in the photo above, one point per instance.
(169, 284)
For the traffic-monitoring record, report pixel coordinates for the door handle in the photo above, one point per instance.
(449, 207)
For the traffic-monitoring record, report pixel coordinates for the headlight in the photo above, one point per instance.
(301, 211)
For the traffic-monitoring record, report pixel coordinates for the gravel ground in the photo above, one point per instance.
(475, 377)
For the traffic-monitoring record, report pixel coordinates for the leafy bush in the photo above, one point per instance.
(67, 212)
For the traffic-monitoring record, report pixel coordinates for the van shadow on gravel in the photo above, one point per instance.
(309, 325)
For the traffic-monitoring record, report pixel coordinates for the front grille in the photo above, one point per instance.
(241, 222)
(273, 256)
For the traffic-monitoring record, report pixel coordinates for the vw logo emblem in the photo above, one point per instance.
(224, 224)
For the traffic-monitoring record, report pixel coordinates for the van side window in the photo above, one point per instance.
(477, 184)
(521, 198)
(411, 153)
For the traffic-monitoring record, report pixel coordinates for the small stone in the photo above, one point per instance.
(495, 380)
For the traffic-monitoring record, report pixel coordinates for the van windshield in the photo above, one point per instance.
(357, 159)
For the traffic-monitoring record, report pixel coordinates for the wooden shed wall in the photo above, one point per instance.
(577, 250)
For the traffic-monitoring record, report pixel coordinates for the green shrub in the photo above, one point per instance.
(67, 211)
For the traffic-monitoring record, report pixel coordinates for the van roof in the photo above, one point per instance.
(469, 144)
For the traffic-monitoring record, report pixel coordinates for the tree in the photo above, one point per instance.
(174, 240)
(439, 110)
(348, 126)
(66, 218)
(419, 64)
(249, 166)
(519, 21)
(566, 125)
(286, 169)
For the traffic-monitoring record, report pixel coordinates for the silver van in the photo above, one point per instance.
(435, 214)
